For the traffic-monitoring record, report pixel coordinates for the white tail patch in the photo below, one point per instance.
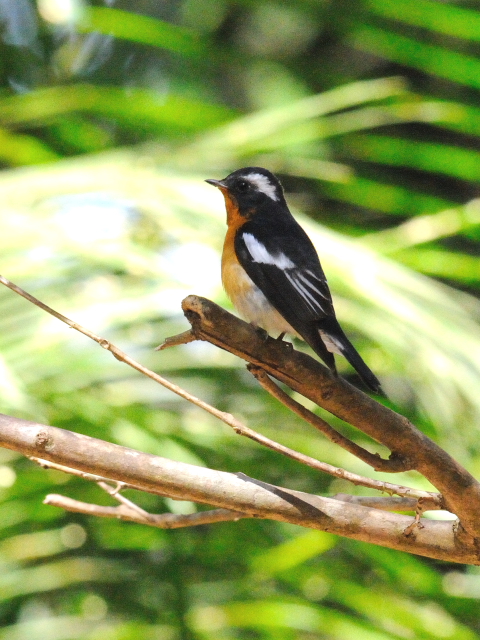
(333, 344)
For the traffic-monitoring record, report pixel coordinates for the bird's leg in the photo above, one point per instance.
(264, 335)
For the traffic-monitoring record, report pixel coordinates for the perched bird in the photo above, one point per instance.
(272, 273)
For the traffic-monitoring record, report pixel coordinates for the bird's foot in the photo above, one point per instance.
(262, 334)
(286, 343)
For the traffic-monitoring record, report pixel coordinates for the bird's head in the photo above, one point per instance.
(249, 189)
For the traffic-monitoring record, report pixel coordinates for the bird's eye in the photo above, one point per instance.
(243, 185)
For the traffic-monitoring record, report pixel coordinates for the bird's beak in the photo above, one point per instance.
(218, 183)
(230, 201)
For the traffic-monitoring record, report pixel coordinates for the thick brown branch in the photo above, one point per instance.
(314, 381)
(437, 539)
(336, 472)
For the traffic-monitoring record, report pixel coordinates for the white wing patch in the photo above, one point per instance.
(317, 285)
(260, 254)
(309, 294)
(311, 289)
(263, 184)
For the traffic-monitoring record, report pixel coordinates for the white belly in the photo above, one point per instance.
(252, 305)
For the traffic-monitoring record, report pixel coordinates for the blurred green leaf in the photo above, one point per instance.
(142, 29)
(426, 228)
(429, 58)
(388, 198)
(435, 158)
(294, 552)
(135, 109)
(442, 264)
(57, 575)
(20, 149)
(460, 22)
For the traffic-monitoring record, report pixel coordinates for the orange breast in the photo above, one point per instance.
(234, 279)
(242, 291)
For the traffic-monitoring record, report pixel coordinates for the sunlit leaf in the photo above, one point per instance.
(449, 19)
(429, 58)
(142, 29)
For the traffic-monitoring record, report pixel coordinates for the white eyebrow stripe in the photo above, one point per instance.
(260, 254)
(263, 184)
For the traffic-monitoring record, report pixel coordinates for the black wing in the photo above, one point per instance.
(286, 268)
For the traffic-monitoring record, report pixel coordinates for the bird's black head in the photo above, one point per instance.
(251, 188)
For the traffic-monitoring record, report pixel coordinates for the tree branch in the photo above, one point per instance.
(311, 379)
(395, 464)
(128, 510)
(227, 418)
(250, 497)
(338, 472)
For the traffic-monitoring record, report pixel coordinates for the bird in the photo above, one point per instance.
(272, 273)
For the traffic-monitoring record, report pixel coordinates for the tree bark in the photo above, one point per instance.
(253, 498)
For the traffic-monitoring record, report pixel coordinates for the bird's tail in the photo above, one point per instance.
(336, 340)
(368, 377)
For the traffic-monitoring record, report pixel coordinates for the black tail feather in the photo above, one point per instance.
(315, 341)
(347, 350)
(368, 378)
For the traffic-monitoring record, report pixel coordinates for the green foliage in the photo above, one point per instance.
(109, 125)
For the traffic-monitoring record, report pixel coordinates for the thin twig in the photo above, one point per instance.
(114, 492)
(337, 472)
(47, 464)
(394, 465)
(393, 503)
(162, 521)
(175, 341)
(422, 506)
(227, 418)
(128, 510)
